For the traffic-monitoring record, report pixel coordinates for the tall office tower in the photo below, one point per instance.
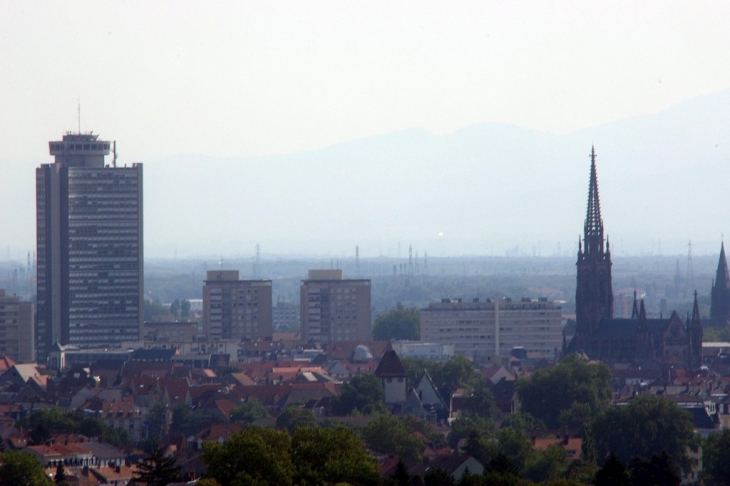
(16, 329)
(236, 309)
(90, 247)
(333, 308)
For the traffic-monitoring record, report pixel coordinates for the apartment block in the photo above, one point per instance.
(333, 308)
(490, 329)
(17, 333)
(236, 309)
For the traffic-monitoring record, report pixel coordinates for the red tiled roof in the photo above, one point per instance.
(390, 366)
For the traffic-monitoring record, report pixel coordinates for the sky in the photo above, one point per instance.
(240, 79)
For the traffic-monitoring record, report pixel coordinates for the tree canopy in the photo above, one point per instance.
(21, 469)
(255, 456)
(646, 426)
(401, 323)
(389, 435)
(157, 470)
(363, 394)
(310, 456)
(47, 422)
(715, 453)
(292, 418)
(248, 412)
(330, 456)
(550, 391)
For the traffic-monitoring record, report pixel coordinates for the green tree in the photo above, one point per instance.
(647, 425)
(188, 422)
(613, 473)
(185, 308)
(455, 373)
(154, 309)
(21, 469)
(547, 465)
(578, 417)
(550, 391)
(363, 394)
(292, 418)
(60, 477)
(655, 471)
(480, 400)
(437, 477)
(517, 445)
(175, 308)
(255, 456)
(157, 470)
(715, 453)
(45, 423)
(331, 455)
(248, 412)
(465, 425)
(389, 435)
(402, 323)
(522, 421)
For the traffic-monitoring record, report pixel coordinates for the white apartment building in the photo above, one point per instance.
(489, 329)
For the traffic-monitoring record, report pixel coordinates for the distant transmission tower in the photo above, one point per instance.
(410, 260)
(257, 262)
(357, 260)
(690, 269)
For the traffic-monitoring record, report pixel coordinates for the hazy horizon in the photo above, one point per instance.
(313, 127)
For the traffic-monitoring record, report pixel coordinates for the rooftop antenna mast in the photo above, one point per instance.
(114, 154)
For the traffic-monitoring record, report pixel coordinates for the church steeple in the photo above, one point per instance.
(593, 226)
(720, 303)
(594, 293)
(695, 336)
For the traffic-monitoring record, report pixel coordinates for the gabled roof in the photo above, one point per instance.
(390, 366)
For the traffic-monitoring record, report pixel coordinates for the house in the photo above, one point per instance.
(454, 464)
(431, 398)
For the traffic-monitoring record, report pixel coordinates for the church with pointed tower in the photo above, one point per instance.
(642, 341)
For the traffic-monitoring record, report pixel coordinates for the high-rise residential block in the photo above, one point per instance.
(90, 247)
(16, 329)
(333, 308)
(236, 309)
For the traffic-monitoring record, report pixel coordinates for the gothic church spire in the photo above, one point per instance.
(593, 227)
(720, 303)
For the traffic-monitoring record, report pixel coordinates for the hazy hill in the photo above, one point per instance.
(489, 188)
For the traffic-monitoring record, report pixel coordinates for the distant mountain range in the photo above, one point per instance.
(488, 189)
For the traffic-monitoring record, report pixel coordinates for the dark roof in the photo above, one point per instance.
(627, 328)
(390, 365)
(153, 354)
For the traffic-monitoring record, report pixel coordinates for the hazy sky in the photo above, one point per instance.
(251, 78)
(262, 78)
